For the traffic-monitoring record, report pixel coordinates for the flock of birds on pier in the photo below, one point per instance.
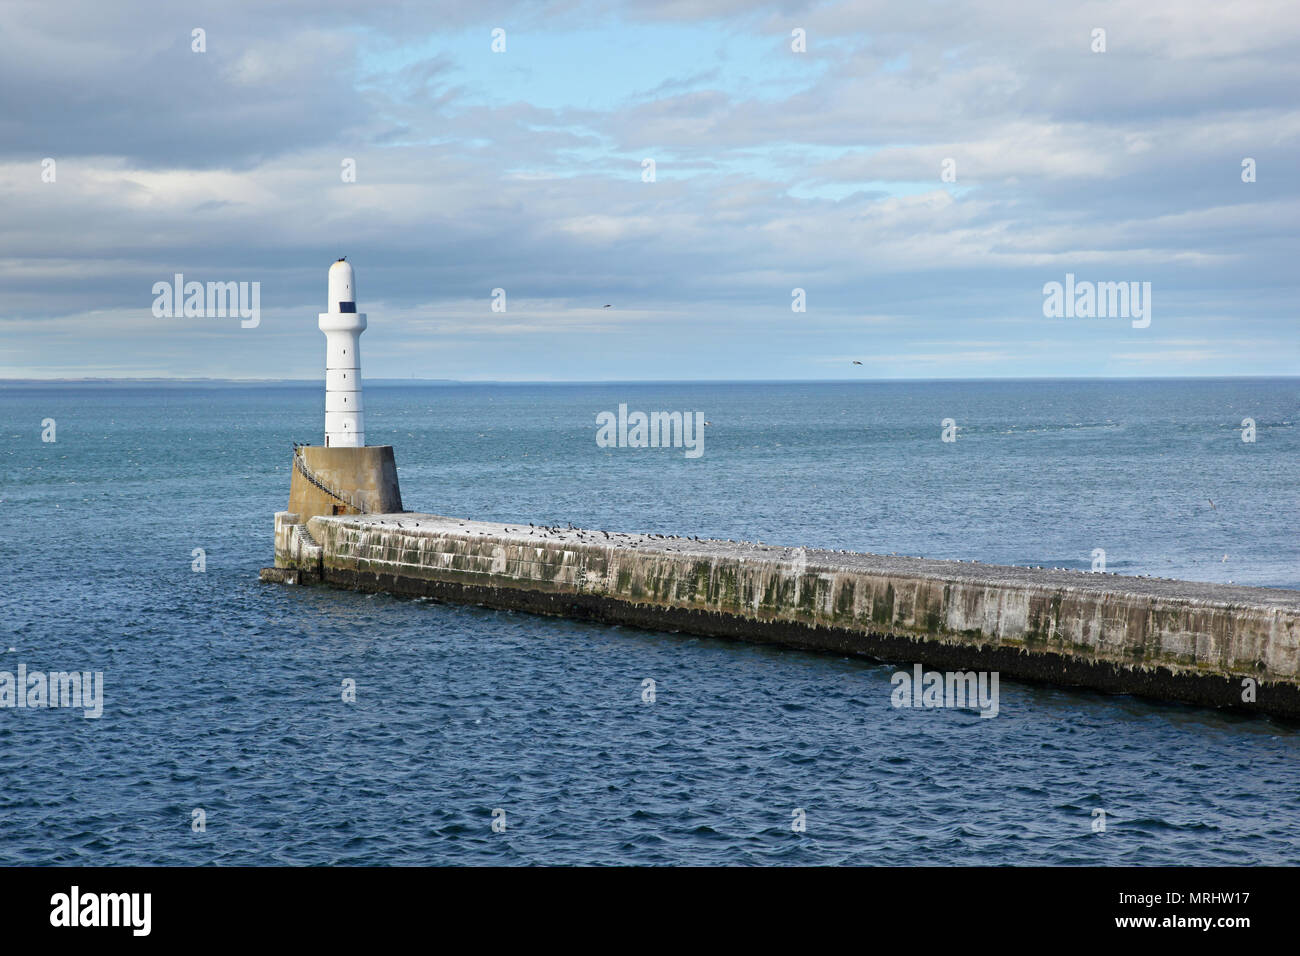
(593, 536)
(600, 536)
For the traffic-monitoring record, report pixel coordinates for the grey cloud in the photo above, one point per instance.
(226, 166)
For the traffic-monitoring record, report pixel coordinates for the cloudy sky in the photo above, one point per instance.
(773, 170)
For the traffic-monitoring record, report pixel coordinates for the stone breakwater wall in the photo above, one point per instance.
(1212, 644)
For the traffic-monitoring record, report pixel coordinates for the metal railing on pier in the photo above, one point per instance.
(300, 462)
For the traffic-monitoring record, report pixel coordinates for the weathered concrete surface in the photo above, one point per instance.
(1175, 640)
(362, 480)
(295, 551)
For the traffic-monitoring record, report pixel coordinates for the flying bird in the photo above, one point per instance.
(856, 362)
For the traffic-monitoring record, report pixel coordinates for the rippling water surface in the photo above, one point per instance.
(224, 694)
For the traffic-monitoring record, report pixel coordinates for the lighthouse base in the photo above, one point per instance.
(343, 481)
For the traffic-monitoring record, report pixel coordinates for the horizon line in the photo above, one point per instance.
(393, 382)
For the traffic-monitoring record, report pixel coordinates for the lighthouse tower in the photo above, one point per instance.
(343, 325)
(345, 476)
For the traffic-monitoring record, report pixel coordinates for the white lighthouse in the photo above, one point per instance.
(343, 325)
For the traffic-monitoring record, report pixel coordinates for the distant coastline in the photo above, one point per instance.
(398, 382)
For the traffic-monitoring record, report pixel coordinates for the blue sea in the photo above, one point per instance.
(223, 695)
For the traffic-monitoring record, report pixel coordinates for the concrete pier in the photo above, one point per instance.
(1211, 644)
